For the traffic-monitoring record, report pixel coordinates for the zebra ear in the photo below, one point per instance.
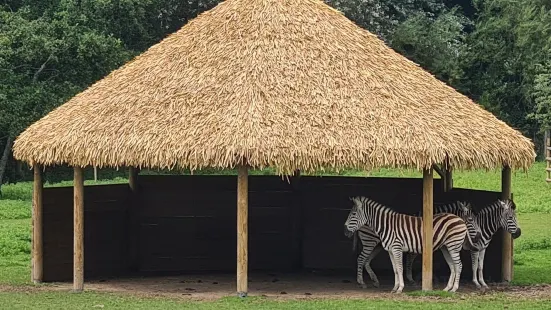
(504, 204)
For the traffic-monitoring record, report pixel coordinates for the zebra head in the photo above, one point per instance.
(466, 213)
(356, 218)
(508, 218)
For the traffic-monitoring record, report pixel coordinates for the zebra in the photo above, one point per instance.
(403, 233)
(499, 214)
(371, 242)
(462, 209)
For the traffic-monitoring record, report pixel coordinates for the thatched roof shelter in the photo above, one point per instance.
(283, 83)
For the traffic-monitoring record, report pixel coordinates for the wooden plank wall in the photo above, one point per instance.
(188, 224)
(104, 231)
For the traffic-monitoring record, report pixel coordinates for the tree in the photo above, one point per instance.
(44, 60)
(542, 96)
(510, 41)
(50, 50)
(436, 43)
(383, 16)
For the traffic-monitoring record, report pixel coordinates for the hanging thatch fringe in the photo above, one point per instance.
(282, 83)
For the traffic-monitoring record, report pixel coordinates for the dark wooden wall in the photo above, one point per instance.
(105, 231)
(189, 223)
(179, 224)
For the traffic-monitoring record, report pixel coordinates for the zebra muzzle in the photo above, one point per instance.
(516, 234)
(347, 232)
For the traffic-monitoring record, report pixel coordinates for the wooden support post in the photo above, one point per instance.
(133, 178)
(545, 143)
(448, 179)
(298, 220)
(133, 220)
(439, 170)
(427, 229)
(95, 174)
(78, 231)
(448, 176)
(547, 156)
(242, 230)
(37, 241)
(507, 254)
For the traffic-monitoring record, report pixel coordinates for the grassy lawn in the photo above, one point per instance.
(61, 300)
(532, 257)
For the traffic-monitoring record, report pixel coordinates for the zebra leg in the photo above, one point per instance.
(398, 261)
(474, 258)
(410, 257)
(456, 258)
(394, 267)
(481, 268)
(361, 261)
(449, 260)
(370, 271)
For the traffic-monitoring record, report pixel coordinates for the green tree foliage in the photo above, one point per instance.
(498, 52)
(46, 56)
(52, 49)
(542, 95)
(437, 43)
(383, 16)
(511, 39)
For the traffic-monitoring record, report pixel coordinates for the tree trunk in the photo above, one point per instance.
(4, 161)
(19, 170)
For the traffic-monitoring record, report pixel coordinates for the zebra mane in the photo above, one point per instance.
(460, 204)
(364, 201)
(497, 205)
(456, 205)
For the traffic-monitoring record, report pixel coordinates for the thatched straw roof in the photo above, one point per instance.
(282, 83)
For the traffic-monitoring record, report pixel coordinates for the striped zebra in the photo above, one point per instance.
(403, 233)
(462, 209)
(499, 214)
(371, 242)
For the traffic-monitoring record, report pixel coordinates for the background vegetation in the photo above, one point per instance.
(498, 52)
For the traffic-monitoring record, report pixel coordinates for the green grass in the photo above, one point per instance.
(15, 249)
(531, 192)
(14, 209)
(87, 300)
(532, 255)
(432, 294)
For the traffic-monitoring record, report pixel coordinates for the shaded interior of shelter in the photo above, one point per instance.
(177, 225)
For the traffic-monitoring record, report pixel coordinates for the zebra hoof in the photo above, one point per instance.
(364, 286)
(376, 284)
